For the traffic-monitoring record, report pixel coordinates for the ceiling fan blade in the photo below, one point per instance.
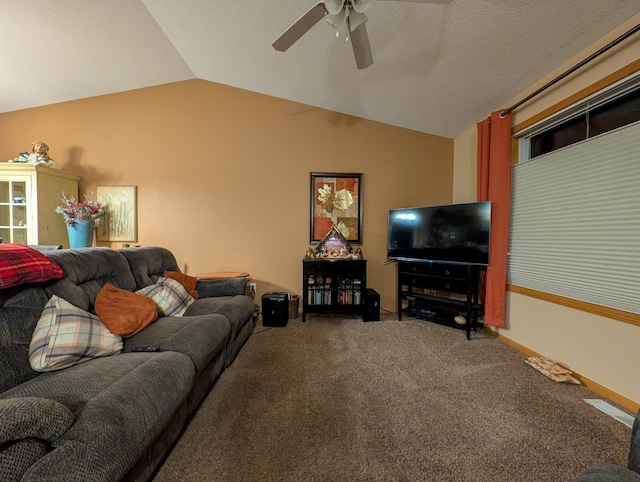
(300, 27)
(361, 47)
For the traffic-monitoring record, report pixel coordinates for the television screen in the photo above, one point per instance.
(457, 233)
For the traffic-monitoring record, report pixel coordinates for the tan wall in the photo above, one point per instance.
(601, 349)
(465, 167)
(223, 174)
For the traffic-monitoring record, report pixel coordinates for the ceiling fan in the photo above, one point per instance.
(349, 13)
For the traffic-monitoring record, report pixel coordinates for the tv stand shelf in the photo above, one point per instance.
(425, 288)
(409, 296)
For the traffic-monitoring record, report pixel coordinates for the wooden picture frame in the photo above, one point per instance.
(120, 222)
(336, 199)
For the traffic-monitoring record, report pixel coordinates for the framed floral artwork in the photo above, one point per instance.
(120, 204)
(336, 200)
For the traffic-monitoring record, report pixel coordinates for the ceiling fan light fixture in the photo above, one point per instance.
(360, 6)
(334, 7)
(337, 20)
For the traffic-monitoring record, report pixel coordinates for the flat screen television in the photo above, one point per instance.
(453, 233)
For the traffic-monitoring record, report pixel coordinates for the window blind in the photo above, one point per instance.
(575, 221)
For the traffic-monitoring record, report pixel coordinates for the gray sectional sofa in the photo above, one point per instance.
(608, 472)
(113, 417)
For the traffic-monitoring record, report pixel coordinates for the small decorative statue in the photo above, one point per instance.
(40, 148)
(39, 155)
(358, 253)
(310, 254)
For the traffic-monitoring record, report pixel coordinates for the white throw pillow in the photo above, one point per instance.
(171, 297)
(65, 335)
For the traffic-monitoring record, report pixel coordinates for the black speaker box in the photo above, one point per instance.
(371, 305)
(275, 309)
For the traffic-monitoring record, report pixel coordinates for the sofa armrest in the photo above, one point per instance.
(207, 288)
(607, 473)
(28, 425)
(634, 450)
(31, 417)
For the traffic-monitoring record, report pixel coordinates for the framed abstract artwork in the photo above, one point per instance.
(336, 200)
(120, 222)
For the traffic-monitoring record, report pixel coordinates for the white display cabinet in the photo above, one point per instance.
(28, 198)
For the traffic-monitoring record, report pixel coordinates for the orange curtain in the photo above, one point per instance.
(494, 184)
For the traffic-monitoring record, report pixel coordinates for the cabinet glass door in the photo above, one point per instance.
(319, 291)
(14, 211)
(349, 290)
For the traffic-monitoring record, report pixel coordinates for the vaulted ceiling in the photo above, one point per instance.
(438, 68)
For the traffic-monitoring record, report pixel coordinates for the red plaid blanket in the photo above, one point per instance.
(22, 264)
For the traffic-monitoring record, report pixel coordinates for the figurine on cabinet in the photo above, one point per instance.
(39, 155)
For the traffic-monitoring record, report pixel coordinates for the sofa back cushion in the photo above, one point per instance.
(149, 263)
(20, 309)
(86, 271)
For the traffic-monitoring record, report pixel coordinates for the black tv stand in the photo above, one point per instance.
(425, 289)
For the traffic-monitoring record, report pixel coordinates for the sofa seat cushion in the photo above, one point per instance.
(121, 405)
(237, 309)
(608, 473)
(198, 337)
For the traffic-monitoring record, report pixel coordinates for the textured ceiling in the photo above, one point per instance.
(437, 68)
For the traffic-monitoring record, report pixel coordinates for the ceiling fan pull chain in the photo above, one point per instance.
(346, 21)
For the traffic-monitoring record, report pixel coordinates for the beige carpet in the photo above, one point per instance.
(337, 399)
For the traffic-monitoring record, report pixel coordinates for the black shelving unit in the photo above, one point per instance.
(333, 286)
(424, 289)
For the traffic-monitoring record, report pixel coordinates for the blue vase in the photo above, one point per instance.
(80, 234)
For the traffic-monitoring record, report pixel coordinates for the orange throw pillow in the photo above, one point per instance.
(189, 282)
(125, 313)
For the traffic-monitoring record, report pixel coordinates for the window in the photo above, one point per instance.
(575, 220)
(620, 112)
(603, 112)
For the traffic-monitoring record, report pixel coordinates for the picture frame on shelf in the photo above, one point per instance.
(120, 223)
(336, 200)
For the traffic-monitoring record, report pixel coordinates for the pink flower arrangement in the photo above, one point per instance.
(73, 211)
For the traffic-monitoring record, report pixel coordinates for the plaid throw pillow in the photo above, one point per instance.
(65, 335)
(22, 264)
(170, 296)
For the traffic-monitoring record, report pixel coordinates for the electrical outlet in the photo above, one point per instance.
(252, 287)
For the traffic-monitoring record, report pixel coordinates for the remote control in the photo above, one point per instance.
(146, 348)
